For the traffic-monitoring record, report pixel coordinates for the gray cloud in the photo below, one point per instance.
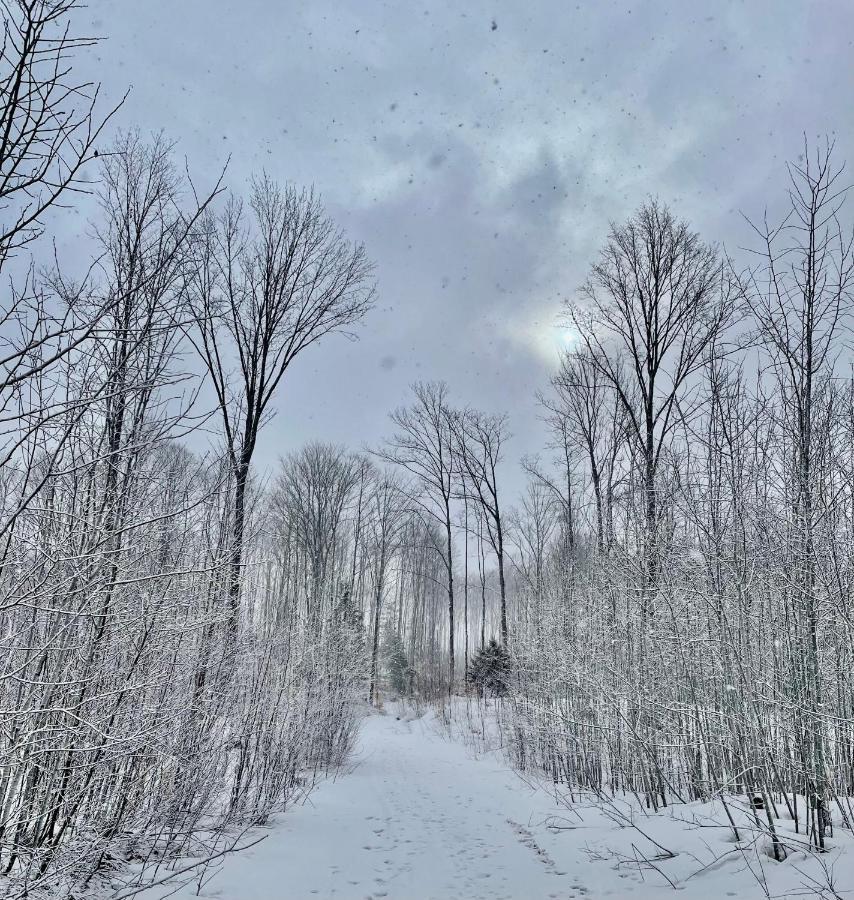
(480, 165)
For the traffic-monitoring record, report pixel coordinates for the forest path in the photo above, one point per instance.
(418, 817)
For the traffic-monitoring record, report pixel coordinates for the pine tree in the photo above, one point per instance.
(490, 669)
(397, 665)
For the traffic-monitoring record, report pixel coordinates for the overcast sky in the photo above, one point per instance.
(479, 155)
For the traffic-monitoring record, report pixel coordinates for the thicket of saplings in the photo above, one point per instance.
(181, 651)
(696, 639)
(674, 591)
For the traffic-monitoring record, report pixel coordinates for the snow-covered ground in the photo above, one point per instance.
(419, 816)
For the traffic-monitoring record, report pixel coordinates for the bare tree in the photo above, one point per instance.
(654, 304)
(108, 532)
(48, 126)
(389, 505)
(799, 296)
(586, 399)
(48, 129)
(531, 531)
(262, 293)
(479, 439)
(423, 446)
(310, 496)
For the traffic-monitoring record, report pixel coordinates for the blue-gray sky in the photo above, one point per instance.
(480, 155)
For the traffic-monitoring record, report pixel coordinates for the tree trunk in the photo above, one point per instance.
(236, 560)
(450, 567)
(375, 648)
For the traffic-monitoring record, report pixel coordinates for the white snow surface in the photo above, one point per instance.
(421, 817)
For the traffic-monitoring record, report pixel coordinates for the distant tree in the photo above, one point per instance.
(478, 442)
(396, 664)
(490, 669)
(384, 531)
(587, 412)
(531, 531)
(423, 446)
(311, 492)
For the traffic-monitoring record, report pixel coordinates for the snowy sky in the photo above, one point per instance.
(480, 155)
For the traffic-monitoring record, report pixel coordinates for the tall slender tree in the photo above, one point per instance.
(263, 291)
(655, 303)
(423, 446)
(799, 297)
(479, 439)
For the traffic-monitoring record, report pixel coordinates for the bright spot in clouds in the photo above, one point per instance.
(548, 341)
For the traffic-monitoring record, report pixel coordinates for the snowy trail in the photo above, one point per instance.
(419, 817)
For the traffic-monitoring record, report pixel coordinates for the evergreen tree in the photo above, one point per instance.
(490, 669)
(397, 665)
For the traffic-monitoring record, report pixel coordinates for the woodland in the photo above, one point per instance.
(189, 643)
